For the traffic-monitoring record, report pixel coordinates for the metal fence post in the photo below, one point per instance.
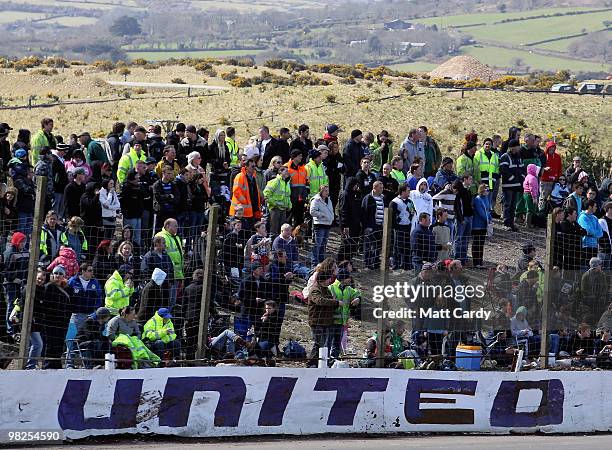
(385, 254)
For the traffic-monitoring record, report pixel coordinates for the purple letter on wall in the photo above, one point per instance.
(457, 416)
(349, 392)
(277, 397)
(549, 412)
(178, 395)
(71, 416)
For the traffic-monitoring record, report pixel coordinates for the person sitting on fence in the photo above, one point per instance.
(119, 289)
(92, 337)
(123, 330)
(160, 336)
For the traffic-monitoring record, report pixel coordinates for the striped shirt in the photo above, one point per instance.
(445, 199)
(380, 209)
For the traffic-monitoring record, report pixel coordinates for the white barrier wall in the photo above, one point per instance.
(230, 401)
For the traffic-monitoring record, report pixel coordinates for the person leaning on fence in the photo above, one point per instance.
(343, 291)
(119, 289)
(159, 334)
(422, 243)
(277, 194)
(321, 309)
(15, 259)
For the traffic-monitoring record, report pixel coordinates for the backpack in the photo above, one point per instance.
(294, 350)
(107, 149)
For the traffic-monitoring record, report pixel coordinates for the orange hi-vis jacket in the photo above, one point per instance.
(242, 196)
(299, 181)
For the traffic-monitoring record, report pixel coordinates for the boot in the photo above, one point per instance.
(529, 221)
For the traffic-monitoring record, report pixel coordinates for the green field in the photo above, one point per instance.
(69, 21)
(418, 66)
(563, 46)
(501, 57)
(158, 56)
(14, 16)
(81, 4)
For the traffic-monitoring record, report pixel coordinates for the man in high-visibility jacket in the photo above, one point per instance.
(142, 357)
(278, 197)
(232, 146)
(159, 334)
(397, 164)
(118, 289)
(348, 298)
(316, 173)
(174, 248)
(486, 162)
(128, 162)
(246, 193)
(299, 186)
(466, 165)
(42, 138)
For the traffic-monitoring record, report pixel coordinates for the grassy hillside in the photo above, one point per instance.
(447, 116)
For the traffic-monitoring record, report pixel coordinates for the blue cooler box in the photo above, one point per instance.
(468, 357)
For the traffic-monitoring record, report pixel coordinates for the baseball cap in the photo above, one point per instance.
(102, 312)
(6, 126)
(21, 153)
(332, 128)
(150, 160)
(191, 129)
(164, 313)
(84, 133)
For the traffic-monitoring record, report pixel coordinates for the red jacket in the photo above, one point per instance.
(68, 260)
(329, 138)
(554, 162)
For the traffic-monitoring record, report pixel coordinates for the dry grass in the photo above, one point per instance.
(448, 118)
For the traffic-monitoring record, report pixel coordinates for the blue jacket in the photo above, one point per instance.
(423, 244)
(482, 212)
(591, 225)
(443, 177)
(290, 248)
(85, 301)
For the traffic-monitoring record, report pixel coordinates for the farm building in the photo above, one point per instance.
(465, 68)
(397, 24)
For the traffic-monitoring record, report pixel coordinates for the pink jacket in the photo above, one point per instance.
(531, 184)
(68, 260)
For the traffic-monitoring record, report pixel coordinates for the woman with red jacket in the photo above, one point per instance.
(551, 172)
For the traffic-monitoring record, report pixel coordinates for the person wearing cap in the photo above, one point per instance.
(118, 289)
(42, 138)
(322, 307)
(159, 335)
(381, 150)
(331, 133)
(551, 171)
(92, 338)
(594, 288)
(315, 170)
(128, 161)
(139, 137)
(511, 168)
(190, 143)
(302, 142)
(154, 295)
(350, 297)
(353, 153)
(446, 174)
(246, 193)
(15, 273)
(299, 188)
(573, 171)
(93, 150)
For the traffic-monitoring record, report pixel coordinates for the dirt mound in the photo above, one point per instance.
(464, 68)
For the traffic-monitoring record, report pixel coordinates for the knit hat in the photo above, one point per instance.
(582, 176)
(158, 276)
(21, 153)
(18, 238)
(446, 160)
(594, 262)
(355, 133)
(125, 268)
(102, 312)
(62, 147)
(323, 147)
(295, 153)
(59, 269)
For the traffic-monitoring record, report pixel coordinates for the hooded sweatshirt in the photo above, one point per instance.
(422, 202)
(531, 185)
(68, 259)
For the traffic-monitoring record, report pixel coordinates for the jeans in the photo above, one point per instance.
(11, 291)
(401, 248)
(606, 260)
(224, 343)
(478, 241)
(159, 347)
(493, 194)
(510, 200)
(321, 335)
(36, 348)
(301, 271)
(174, 288)
(77, 321)
(462, 239)
(321, 234)
(25, 223)
(335, 337)
(372, 245)
(136, 224)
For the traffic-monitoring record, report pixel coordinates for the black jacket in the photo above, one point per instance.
(183, 202)
(152, 261)
(60, 177)
(304, 147)
(390, 187)
(276, 147)
(72, 199)
(249, 290)
(132, 200)
(26, 194)
(350, 206)
(368, 212)
(352, 154)
(463, 204)
(152, 298)
(91, 331)
(216, 160)
(164, 203)
(156, 147)
(90, 207)
(365, 181)
(571, 244)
